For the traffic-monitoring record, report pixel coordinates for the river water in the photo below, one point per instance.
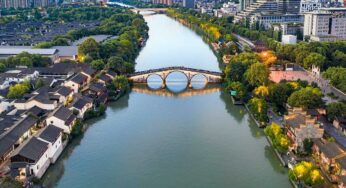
(161, 139)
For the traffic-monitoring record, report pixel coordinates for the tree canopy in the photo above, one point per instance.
(307, 98)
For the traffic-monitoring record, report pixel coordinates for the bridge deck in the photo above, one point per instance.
(176, 68)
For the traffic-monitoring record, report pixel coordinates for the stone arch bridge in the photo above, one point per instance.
(142, 76)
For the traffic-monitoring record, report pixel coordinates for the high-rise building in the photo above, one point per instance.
(165, 2)
(189, 3)
(40, 3)
(327, 24)
(15, 3)
(309, 5)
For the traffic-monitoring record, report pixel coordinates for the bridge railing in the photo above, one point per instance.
(177, 68)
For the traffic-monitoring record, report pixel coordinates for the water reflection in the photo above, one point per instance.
(187, 92)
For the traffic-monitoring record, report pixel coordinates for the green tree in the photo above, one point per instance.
(234, 71)
(279, 93)
(237, 86)
(307, 144)
(2, 67)
(314, 59)
(307, 173)
(121, 82)
(257, 74)
(336, 109)
(97, 64)
(18, 90)
(259, 108)
(39, 83)
(89, 47)
(307, 98)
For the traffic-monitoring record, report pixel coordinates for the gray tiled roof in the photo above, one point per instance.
(50, 133)
(63, 113)
(33, 149)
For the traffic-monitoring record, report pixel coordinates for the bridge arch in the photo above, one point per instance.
(206, 80)
(178, 71)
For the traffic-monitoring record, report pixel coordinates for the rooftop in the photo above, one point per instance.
(15, 51)
(51, 133)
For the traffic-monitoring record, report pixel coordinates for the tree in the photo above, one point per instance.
(89, 47)
(262, 91)
(336, 109)
(234, 71)
(18, 90)
(259, 108)
(268, 57)
(279, 93)
(314, 59)
(257, 74)
(273, 130)
(97, 64)
(39, 83)
(307, 173)
(2, 67)
(307, 144)
(337, 77)
(121, 82)
(308, 98)
(237, 86)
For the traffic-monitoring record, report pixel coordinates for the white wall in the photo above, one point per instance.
(59, 123)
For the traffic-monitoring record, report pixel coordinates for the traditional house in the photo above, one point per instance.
(89, 72)
(340, 124)
(104, 79)
(77, 82)
(65, 94)
(111, 74)
(301, 126)
(42, 99)
(53, 136)
(31, 159)
(81, 104)
(326, 155)
(96, 91)
(14, 134)
(63, 118)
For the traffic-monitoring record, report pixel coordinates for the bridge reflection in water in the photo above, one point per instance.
(166, 92)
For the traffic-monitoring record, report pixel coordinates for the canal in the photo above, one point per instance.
(162, 139)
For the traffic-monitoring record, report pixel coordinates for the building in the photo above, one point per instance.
(266, 20)
(41, 98)
(165, 2)
(330, 157)
(301, 126)
(13, 133)
(63, 118)
(289, 28)
(14, 4)
(289, 39)
(267, 7)
(30, 159)
(77, 82)
(53, 136)
(327, 24)
(189, 3)
(66, 52)
(309, 6)
(81, 105)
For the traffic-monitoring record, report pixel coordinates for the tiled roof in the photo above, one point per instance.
(33, 149)
(51, 133)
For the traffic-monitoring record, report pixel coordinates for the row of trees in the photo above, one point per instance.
(337, 77)
(24, 59)
(306, 173)
(114, 21)
(280, 140)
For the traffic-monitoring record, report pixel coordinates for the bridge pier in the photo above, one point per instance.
(164, 85)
